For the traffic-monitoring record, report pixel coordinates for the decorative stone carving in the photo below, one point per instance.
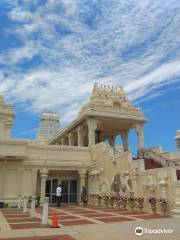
(124, 136)
(92, 125)
(6, 119)
(104, 187)
(109, 98)
(163, 183)
(140, 133)
(81, 135)
(44, 174)
(82, 178)
(149, 183)
(122, 183)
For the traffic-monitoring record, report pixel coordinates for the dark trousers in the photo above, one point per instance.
(58, 201)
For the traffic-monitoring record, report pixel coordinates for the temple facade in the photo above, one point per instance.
(85, 154)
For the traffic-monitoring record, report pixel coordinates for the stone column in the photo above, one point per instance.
(82, 178)
(25, 201)
(44, 174)
(140, 134)
(33, 203)
(19, 201)
(81, 135)
(124, 136)
(71, 139)
(45, 211)
(92, 125)
(34, 181)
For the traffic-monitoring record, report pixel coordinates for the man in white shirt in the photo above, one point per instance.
(58, 195)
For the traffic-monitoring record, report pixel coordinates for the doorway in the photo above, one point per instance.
(69, 190)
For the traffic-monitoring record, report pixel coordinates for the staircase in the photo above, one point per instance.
(157, 159)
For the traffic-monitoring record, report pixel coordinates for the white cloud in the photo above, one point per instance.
(134, 44)
(162, 75)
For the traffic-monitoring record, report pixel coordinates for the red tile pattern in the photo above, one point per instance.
(25, 225)
(16, 220)
(75, 222)
(75, 215)
(97, 215)
(114, 219)
(19, 220)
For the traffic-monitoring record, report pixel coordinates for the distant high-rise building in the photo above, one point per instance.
(49, 125)
(177, 138)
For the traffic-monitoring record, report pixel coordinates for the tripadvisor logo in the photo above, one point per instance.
(139, 231)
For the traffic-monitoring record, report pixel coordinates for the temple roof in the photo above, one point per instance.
(111, 107)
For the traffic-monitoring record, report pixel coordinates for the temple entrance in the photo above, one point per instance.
(69, 190)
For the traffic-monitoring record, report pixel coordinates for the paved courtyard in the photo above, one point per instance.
(85, 223)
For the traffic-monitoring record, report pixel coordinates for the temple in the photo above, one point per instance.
(85, 153)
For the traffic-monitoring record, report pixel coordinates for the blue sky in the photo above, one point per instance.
(52, 52)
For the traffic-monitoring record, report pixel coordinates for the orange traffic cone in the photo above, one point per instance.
(55, 220)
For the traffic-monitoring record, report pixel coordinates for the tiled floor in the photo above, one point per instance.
(74, 215)
(19, 220)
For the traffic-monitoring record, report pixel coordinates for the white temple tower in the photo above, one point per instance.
(49, 125)
(177, 138)
(6, 119)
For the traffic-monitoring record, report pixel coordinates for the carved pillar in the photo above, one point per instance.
(71, 139)
(81, 135)
(140, 134)
(124, 136)
(92, 125)
(82, 178)
(34, 181)
(33, 204)
(44, 174)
